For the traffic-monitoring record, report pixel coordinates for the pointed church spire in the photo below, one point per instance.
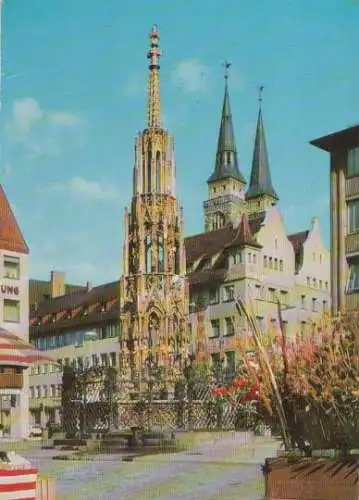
(260, 183)
(226, 159)
(154, 100)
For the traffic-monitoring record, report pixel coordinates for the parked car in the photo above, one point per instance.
(35, 431)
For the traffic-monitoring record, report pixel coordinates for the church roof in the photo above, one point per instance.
(226, 165)
(11, 238)
(260, 181)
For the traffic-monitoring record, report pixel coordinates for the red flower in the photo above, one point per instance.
(240, 383)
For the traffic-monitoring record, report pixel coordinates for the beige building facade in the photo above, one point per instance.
(246, 252)
(343, 148)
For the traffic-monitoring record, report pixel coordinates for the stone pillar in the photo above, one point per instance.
(334, 234)
(342, 232)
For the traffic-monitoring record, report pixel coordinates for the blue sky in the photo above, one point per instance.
(74, 97)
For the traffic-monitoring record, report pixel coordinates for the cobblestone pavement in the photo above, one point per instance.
(227, 469)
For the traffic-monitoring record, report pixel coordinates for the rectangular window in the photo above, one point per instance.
(80, 364)
(229, 326)
(53, 390)
(353, 282)
(104, 360)
(272, 294)
(228, 293)
(265, 261)
(353, 215)
(281, 265)
(216, 360)
(276, 264)
(284, 297)
(260, 321)
(302, 301)
(11, 311)
(214, 296)
(11, 267)
(32, 392)
(353, 162)
(215, 327)
(113, 358)
(325, 306)
(231, 361)
(270, 263)
(314, 305)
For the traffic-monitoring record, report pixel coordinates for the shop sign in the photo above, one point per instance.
(9, 290)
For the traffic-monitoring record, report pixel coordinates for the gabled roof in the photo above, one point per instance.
(211, 242)
(244, 235)
(11, 238)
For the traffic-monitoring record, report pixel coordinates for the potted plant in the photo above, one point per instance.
(308, 391)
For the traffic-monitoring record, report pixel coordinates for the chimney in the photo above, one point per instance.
(315, 223)
(88, 286)
(57, 284)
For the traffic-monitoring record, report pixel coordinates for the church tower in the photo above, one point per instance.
(226, 184)
(154, 289)
(261, 193)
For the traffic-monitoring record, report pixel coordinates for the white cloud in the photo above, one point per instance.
(40, 132)
(25, 113)
(191, 75)
(84, 189)
(63, 118)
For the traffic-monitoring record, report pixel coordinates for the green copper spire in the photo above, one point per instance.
(226, 158)
(260, 183)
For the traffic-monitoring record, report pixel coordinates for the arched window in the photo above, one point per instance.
(149, 169)
(148, 253)
(158, 172)
(160, 254)
(153, 329)
(177, 258)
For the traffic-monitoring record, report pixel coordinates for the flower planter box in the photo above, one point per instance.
(314, 478)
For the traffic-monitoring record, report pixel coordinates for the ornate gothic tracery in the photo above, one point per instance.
(154, 291)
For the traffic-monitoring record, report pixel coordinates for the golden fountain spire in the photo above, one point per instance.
(154, 101)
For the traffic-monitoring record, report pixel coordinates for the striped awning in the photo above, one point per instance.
(14, 351)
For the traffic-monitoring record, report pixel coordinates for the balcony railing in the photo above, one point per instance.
(352, 243)
(48, 402)
(11, 381)
(352, 186)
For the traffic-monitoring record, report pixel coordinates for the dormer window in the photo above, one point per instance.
(69, 314)
(53, 318)
(39, 321)
(86, 311)
(103, 307)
